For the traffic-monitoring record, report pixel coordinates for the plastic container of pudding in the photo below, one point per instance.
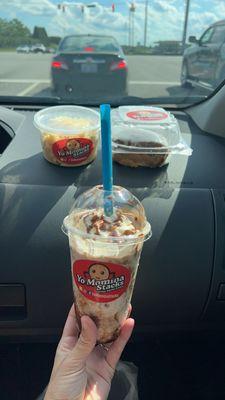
(145, 137)
(69, 134)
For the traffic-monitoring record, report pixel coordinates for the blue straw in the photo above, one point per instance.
(107, 173)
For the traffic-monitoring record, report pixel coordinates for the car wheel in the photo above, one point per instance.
(184, 76)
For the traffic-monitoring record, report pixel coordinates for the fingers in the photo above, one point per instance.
(115, 350)
(87, 339)
(129, 310)
(68, 339)
(84, 346)
(69, 335)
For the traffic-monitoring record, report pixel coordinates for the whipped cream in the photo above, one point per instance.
(66, 122)
(95, 223)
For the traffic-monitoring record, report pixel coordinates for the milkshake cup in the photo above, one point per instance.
(105, 254)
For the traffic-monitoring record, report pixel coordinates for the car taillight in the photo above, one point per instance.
(56, 64)
(118, 65)
(59, 65)
(89, 48)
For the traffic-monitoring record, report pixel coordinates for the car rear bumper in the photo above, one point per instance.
(65, 83)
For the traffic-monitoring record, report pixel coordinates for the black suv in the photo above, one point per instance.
(204, 62)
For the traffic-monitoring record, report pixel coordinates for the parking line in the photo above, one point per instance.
(28, 89)
(49, 81)
(153, 83)
(35, 82)
(25, 81)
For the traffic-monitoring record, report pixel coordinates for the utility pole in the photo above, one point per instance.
(126, 27)
(146, 23)
(129, 27)
(185, 25)
(131, 24)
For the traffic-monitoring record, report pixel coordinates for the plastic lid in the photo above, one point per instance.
(157, 139)
(87, 217)
(144, 115)
(67, 119)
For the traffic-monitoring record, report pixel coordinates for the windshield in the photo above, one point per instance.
(168, 52)
(89, 43)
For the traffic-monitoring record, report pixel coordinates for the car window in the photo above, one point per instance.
(206, 37)
(89, 43)
(218, 35)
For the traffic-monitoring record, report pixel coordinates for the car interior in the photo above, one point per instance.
(177, 349)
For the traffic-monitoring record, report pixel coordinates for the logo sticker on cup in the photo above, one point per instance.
(147, 115)
(101, 282)
(72, 151)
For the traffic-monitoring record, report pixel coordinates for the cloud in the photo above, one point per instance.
(164, 7)
(165, 17)
(31, 7)
(99, 20)
(200, 20)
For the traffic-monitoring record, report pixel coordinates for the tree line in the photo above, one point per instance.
(14, 33)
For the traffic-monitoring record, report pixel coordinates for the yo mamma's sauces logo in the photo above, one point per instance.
(147, 115)
(72, 151)
(101, 282)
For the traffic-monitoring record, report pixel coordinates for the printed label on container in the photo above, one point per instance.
(147, 115)
(101, 282)
(72, 151)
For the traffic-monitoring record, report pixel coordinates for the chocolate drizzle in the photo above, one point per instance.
(97, 224)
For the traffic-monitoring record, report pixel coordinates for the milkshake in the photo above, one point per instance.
(105, 255)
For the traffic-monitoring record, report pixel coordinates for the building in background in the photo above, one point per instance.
(168, 47)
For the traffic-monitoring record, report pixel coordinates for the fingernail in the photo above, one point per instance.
(132, 321)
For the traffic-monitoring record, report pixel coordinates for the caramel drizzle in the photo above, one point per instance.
(99, 224)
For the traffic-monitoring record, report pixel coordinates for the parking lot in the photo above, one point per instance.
(149, 76)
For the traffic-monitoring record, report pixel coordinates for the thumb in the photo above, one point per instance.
(84, 346)
(87, 339)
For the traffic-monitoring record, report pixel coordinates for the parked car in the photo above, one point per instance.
(50, 50)
(38, 48)
(204, 62)
(23, 49)
(89, 64)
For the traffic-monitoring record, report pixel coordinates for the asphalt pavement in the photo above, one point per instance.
(149, 76)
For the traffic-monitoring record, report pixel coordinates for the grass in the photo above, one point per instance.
(7, 49)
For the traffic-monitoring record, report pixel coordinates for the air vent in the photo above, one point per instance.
(6, 135)
(12, 302)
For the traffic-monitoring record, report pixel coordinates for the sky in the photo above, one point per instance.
(165, 17)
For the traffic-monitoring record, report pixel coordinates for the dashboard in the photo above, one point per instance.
(181, 279)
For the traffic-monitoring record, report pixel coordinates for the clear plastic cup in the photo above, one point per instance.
(138, 147)
(105, 256)
(145, 136)
(69, 134)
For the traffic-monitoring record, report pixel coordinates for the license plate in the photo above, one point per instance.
(89, 68)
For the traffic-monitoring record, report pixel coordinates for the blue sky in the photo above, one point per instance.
(165, 17)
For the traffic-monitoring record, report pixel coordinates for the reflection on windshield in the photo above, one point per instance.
(125, 52)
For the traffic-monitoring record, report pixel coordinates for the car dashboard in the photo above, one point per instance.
(181, 280)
